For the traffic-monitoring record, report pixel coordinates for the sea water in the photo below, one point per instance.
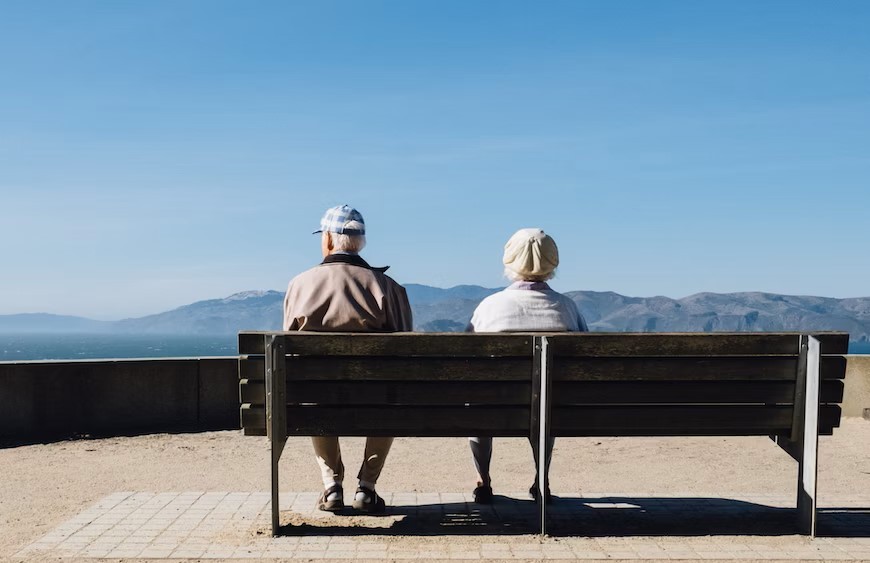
(92, 346)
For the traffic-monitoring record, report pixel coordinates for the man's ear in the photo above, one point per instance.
(330, 244)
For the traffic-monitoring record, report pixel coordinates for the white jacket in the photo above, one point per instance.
(520, 308)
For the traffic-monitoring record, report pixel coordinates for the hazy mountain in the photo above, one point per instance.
(445, 310)
(435, 310)
(249, 310)
(710, 312)
(44, 322)
(424, 294)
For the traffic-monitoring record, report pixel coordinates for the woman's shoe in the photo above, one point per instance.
(534, 492)
(482, 494)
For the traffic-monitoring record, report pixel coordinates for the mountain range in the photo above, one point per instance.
(447, 310)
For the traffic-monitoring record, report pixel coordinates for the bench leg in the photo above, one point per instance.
(540, 424)
(809, 438)
(277, 448)
(276, 413)
(541, 476)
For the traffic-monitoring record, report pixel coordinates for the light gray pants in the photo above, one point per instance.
(328, 454)
(481, 452)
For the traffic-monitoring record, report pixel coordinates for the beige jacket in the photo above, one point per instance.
(345, 294)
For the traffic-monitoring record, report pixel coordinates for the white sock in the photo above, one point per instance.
(333, 496)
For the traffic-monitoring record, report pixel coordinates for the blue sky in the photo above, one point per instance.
(157, 153)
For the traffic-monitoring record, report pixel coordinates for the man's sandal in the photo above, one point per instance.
(371, 502)
(323, 503)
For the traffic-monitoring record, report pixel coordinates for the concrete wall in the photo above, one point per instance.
(55, 400)
(51, 400)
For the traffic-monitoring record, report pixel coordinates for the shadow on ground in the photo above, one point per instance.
(591, 517)
(8, 442)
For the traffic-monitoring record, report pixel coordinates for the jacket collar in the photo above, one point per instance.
(530, 285)
(353, 260)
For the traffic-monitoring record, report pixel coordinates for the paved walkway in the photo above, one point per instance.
(229, 525)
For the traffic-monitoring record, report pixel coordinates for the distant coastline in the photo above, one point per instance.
(209, 327)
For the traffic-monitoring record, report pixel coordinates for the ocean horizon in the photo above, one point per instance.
(54, 346)
(48, 346)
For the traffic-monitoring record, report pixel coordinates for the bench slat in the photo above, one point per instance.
(251, 343)
(253, 419)
(518, 393)
(252, 391)
(252, 368)
(589, 344)
(598, 344)
(761, 367)
(691, 392)
(393, 392)
(456, 393)
(315, 368)
(510, 421)
(688, 368)
(408, 421)
(681, 420)
(393, 344)
(393, 368)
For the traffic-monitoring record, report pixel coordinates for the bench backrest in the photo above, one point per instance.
(394, 384)
(600, 384)
(688, 384)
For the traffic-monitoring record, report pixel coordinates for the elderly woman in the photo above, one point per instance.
(527, 305)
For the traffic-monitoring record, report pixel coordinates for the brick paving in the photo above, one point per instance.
(235, 525)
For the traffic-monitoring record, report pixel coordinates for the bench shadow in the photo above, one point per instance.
(589, 517)
(8, 442)
(848, 522)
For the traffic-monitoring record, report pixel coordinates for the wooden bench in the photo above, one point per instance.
(783, 385)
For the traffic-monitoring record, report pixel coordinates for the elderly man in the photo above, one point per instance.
(345, 294)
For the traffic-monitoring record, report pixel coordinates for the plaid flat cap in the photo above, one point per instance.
(335, 219)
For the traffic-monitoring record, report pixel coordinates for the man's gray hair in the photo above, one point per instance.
(349, 243)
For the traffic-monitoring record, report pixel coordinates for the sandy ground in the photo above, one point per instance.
(45, 484)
